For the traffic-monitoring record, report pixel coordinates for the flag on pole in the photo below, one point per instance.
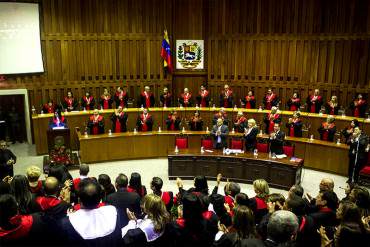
(166, 52)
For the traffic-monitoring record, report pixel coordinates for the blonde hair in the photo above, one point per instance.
(261, 188)
(156, 210)
(33, 173)
(252, 121)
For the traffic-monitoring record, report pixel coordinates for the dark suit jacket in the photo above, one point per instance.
(224, 134)
(276, 144)
(251, 139)
(122, 199)
(362, 142)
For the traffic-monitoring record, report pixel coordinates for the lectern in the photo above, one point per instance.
(58, 137)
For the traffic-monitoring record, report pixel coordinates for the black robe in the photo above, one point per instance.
(296, 127)
(142, 100)
(88, 106)
(166, 99)
(251, 139)
(196, 126)
(122, 118)
(5, 169)
(173, 123)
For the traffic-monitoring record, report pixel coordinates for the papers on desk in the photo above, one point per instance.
(207, 150)
(58, 128)
(281, 156)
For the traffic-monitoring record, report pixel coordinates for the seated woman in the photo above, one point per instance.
(96, 123)
(348, 131)
(294, 125)
(294, 103)
(135, 185)
(141, 232)
(119, 120)
(332, 106)
(270, 119)
(173, 121)
(249, 102)
(328, 129)
(196, 122)
(58, 120)
(250, 135)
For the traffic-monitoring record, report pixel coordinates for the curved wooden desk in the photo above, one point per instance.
(79, 119)
(320, 155)
(244, 168)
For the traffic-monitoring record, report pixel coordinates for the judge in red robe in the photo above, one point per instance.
(87, 101)
(196, 122)
(96, 123)
(249, 102)
(270, 119)
(314, 102)
(203, 97)
(49, 107)
(146, 98)
(121, 98)
(70, 103)
(332, 106)
(144, 121)
(226, 97)
(348, 131)
(294, 103)
(185, 99)
(173, 121)
(294, 125)
(327, 129)
(106, 100)
(119, 120)
(240, 123)
(358, 106)
(270, 100)
(165, 98)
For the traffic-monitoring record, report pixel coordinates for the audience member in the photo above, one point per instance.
(258, 203)
(135, 185)
(84, 171)
(33, 174)
(20, 190)
(282, 228)
(108, 188)
(166, 196)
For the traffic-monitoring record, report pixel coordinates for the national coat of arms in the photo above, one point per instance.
(189, 54)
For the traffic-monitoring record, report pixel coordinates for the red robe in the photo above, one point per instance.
(186, 99)
(147, 98)
(23, 225)
(269, 99)
(360, 103)
(293, 106)
(49, 109)
(105, 100)
(313, 103)
(203, 96)
(291, 129)
(227, 94)
(325, 133)
(121, 97)
(69, 101)
(144, 118)
(271, 121)
(95, 128)
(248, 100)
(118, 123)
(88, 101)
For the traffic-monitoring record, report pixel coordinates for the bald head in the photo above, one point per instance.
(326, 184)
(51, 186)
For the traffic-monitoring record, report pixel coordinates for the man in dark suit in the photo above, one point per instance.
(277, 140)
(122, 199)
(7, 160)
(220, 133)
(357, 154)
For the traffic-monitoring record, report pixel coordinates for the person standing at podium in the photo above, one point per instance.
(277, 140)
(144, 121)
(119, 120)
(220, 133)
(96, 123)
(7, 160)
(106, 100)
(58, 120)
(87, 101)
(70, 103)
(358, 153)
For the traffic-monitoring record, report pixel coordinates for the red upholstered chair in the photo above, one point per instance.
(364, 176)
(288, 149)
(206, 142)
(262, 146)
(181, 141)
(236, 143)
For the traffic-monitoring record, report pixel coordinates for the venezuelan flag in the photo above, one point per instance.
(166, 52)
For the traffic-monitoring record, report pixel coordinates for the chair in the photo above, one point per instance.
(288, 149)
(181, 141)
(262, 146)
(236, 143)
(206, 142)
(364, 175)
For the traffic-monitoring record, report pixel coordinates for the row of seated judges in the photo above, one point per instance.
(241, 124)
(315, 102)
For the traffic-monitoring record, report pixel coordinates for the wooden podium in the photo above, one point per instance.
(58, 137)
